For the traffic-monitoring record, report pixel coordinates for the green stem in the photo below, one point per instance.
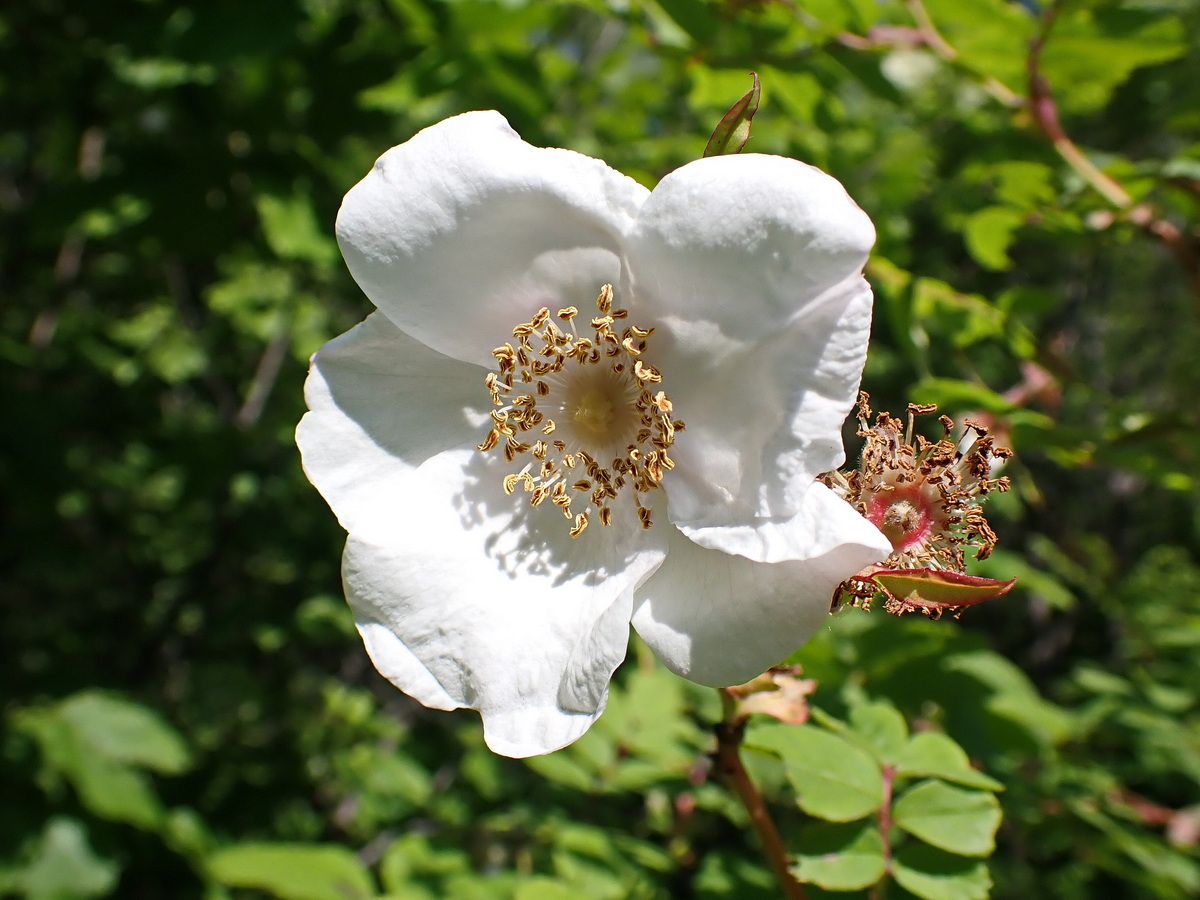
(730, 731)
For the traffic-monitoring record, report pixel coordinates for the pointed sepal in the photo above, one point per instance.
(934, 592)
(733, 130)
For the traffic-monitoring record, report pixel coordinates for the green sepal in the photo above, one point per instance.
(733, 130)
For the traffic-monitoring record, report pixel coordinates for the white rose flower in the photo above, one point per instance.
(527, 460)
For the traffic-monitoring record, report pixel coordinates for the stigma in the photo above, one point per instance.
(581, 412)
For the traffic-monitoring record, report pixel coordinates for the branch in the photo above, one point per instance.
(932, 38)
(265, 376)
(730, 731)
(1186, 250)
(1045, 115)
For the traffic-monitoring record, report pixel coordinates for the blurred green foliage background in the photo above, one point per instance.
(187, 710)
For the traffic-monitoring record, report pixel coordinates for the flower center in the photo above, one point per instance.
(903, 521)
(594, 413)
(924, 495)
(602, 425)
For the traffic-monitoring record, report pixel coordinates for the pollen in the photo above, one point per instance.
(601, 424)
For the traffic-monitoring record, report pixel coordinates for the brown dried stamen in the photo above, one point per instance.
(600, 422)
(923, 495)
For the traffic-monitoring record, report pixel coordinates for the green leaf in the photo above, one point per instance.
(693, 16)
(725, 874)
(568, 769)
(832, 15)
(414, 858)
(951, 394)
(1091, 52)
(935, 875)
(959, 319)
(293, 871)
(164, 345)
(864, 68)
(989, 233)
(115, 792)
(930, 754)
(100, 742)
(156, 73)
(600, 862)
(840, 857)
(292, 231)
(1013, 696)
(64, 866)
(733, 130)
(1021, 184)
(540, 888)
(954, 819)
(833, 778)
(126, 732)
(881, 726)
(989, 36)
(1033, 581)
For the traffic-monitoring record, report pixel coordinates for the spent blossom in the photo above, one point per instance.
(582, 404)
(925, 497)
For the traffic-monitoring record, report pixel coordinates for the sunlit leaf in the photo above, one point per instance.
(293, 871)
(881, 726)
(930, 754)
(989, 232)
(840, 857)
(954, 819)
(932, 874)
(833, 779)
(63, 866)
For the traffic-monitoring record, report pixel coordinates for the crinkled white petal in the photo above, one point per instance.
(466, 596)
(398, 664)
(380, 404)
(720, 618)
(744, 242)
(763, 418)
(465, 231)
(752, 266)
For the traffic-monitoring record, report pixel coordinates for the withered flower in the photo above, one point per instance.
(925, 497)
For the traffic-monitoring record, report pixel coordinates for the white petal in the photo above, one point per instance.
(763, 418)
(380, 404)
(721, 619)
(744, 242)
(752, 267)
(491, 605)
(466, 230)
(400, 665)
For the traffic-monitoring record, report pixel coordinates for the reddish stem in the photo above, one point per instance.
(885, 828)
(1045, 115)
